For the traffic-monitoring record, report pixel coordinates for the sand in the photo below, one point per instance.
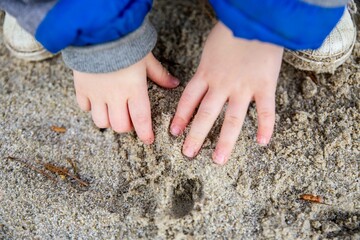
(154, 192)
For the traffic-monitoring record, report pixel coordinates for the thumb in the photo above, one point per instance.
(159, 74)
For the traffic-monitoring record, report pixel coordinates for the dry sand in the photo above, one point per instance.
(153, 192)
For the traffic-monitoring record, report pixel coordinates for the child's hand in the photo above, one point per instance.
(233, 70)
(120, 99)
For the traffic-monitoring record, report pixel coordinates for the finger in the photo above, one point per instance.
(204, 119)
(84, 102)
(139, 108)
(119, 117)
(265, 106)
(230, 130)
(190, 99)
(99, 114)
(159, 74)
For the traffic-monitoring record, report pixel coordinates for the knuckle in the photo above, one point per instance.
(101, 121)
(195, 139)
(122, 126)
(179, 120)
(224, 145)
(203, 73)
(200, 74)
(204, 114)
(186, 98)
(141, 119)
(266, 115)
(233, 121)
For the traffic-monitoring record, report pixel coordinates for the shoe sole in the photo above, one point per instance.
(38, 55)
(33, 52)
(328, 65)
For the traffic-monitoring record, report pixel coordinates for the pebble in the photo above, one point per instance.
(309, 88)
(330, 227)
(316, 224)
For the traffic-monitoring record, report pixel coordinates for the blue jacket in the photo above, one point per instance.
(107, 35)
(293, 24)
(89, 22)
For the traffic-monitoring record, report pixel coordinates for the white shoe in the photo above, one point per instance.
(22, 44)
(335, 50)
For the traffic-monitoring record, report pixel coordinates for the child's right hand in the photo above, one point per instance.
(120, 99)
(232, 70)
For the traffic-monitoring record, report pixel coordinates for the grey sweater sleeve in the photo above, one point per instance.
(113, 56)
(28, 13)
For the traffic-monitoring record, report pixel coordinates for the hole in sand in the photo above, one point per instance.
(185, 194)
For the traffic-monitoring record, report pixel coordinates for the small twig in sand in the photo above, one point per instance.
(73, 165)
(63, 172)
(312, 198)
(58, 129)
(28, 165)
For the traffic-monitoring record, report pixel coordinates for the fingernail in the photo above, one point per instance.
(149, 141)
(175, 131)
(262, 141)
(189, 151)
(175, 81)
(219, 158)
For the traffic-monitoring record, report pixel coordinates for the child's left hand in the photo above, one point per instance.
(233, 70)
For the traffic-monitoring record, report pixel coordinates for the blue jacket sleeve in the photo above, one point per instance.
(90, 22)
(293, 24)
